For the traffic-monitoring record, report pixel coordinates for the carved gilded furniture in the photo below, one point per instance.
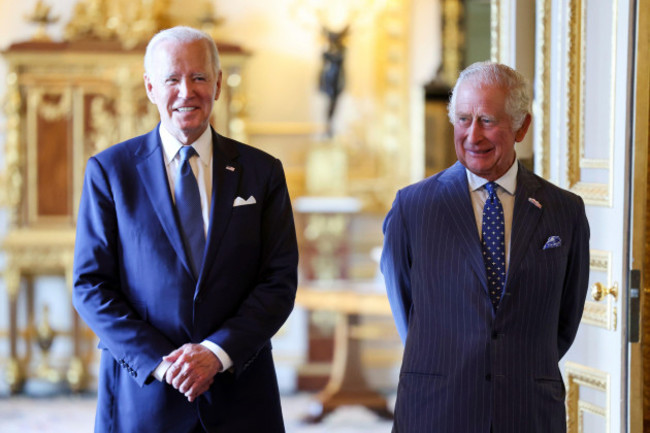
(65, 102)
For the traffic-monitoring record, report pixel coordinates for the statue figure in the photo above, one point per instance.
(332, 79)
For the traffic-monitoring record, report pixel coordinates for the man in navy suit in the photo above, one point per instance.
(486, 305)
(185, 261)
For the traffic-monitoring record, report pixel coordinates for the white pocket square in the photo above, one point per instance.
(241, 202)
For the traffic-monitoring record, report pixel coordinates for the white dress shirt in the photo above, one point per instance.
(507, 184)
(202, 169)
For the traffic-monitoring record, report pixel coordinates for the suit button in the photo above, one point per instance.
(488, 377)
(495, 335)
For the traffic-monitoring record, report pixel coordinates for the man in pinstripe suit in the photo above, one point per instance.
(476, 362)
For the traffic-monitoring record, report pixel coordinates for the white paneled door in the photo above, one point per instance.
(582, 114)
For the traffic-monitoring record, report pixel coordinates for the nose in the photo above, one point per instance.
(185, 88)
(475, 132)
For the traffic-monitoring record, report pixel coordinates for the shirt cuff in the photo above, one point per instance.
(159, 372)
(221, 354)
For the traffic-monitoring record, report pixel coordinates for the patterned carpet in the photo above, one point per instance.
(75, 414)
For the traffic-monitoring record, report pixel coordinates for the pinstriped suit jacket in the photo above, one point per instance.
(467, 368)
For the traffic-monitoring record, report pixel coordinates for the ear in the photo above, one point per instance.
(521, 133)
(218, 92)
(149, 88)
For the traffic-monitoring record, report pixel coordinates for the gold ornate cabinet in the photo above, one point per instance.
(65, 102)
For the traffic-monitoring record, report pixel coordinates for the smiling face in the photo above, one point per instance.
(483, 133)
(183, 85)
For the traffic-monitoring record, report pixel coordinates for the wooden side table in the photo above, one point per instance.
(347, 384)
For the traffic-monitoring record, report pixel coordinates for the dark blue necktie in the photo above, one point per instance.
(494, 246)
(188, 206)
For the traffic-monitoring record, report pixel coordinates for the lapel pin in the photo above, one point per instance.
(230, 168)
(535, 202)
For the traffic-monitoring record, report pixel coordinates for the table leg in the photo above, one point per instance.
(347, 384)
(14, 373)
(76, 373)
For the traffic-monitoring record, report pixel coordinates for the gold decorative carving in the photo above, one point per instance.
(33, 250)
(594, 163)
(499, 38)
(393, 94)
(132, 23)
(41, 16)
(12, 179)
(51, 111)
(575, 87)
(453, 45)
(583, 376)
(593, 194)
(541, 104)
(599, 261)
(103, 124)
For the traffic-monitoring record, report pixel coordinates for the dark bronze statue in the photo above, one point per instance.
(332, 78)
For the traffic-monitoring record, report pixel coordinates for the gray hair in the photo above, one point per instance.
(517, 104)
(181, 34)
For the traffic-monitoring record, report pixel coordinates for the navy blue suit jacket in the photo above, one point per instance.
(134, 287)
(467, 368)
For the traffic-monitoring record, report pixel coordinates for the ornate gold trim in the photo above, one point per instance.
(594, 163)
(599, 261)
(541, 104)
(575, 86)
(452, 47)
(51, 111)
(602, 314)
(11, 193)
(499, 42)
(395, 104)
(593, 194)
(131, 23)
(583, 376)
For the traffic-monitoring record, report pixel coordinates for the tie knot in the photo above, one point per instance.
(491, 188)
(186, 153)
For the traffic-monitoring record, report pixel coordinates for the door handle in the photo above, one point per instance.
(599, 291)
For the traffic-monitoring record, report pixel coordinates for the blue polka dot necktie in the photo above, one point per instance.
(188, 206)
(493, 243)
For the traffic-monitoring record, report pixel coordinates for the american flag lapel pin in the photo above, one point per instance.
(230, 168)
(535, 202)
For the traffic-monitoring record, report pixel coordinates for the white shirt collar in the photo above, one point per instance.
(171, 146)
(508, 181)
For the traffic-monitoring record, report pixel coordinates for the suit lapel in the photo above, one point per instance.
(458, 202)
(226, 174)
(151, 168)
(524, 220)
